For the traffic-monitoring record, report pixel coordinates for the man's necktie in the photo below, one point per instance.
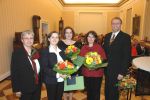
(112, 39)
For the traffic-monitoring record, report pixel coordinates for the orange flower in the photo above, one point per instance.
(61, 65)
(74, 49)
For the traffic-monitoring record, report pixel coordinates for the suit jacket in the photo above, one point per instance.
(48, 60)
(118, 53)
(22, 73)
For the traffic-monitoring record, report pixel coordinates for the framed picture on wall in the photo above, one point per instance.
(44, 29)
(136, 25)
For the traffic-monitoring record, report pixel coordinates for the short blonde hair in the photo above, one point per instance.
(27, 32)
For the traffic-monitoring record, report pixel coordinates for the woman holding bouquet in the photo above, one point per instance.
(50, 56)
(67, 41)
(92, 78)
(25, 69)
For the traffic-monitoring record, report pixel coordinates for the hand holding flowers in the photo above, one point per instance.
(62, 75)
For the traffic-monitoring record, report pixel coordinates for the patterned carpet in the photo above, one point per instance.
(6, 93)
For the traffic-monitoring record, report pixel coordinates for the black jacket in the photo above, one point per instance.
(48, 60)
(22, 73)
(118, 54)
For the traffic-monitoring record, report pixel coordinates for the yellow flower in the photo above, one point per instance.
(89, 60)
(69, 66)
(99, 61)
(69, 47)
(93, 53)
(72, 46)
(125, 84)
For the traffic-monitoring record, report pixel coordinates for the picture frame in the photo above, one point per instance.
(44, 29)
(136, 25)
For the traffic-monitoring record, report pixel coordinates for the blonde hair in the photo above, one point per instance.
(27, 32)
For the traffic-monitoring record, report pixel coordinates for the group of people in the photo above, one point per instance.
(29, 68)
(138, 48)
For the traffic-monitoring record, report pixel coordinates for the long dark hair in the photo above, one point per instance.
(94, 34)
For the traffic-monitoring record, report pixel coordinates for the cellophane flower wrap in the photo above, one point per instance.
(127, 82)
(94, 61)
(72, 51)
(65, 67)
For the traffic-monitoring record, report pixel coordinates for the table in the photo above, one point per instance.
(142, 63)
(143, 75)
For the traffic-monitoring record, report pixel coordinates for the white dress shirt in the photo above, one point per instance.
(59, 59)
(114, 33)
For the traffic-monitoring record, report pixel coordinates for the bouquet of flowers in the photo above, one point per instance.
(65, 67)
(72, 51)
(93, 61)
(126, 83)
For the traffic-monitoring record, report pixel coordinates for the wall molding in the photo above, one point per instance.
(57, 3)
(5, 75)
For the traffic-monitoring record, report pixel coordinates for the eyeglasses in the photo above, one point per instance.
(116, 23)
(28, 38)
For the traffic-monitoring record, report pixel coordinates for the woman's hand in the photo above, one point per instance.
(63, 76)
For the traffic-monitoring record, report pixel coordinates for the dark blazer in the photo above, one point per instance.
(118, 53)
(22, 74)
(48, 60)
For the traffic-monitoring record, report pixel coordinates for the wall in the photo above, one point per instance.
(138, 8)
(68, 18)
(71, 15)
(146, 33)
(92, 21)
(16, 16)
(110, 15)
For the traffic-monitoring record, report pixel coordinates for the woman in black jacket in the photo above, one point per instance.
(25, 69)
(49, 57)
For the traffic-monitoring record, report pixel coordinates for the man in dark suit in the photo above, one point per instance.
(25, 69)
(117, 45)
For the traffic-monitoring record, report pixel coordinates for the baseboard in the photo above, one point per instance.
(5, 75)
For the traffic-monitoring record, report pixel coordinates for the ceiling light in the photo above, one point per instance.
(90, 1)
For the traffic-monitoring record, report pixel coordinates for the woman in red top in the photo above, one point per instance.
(93, 78)
(133, 49)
